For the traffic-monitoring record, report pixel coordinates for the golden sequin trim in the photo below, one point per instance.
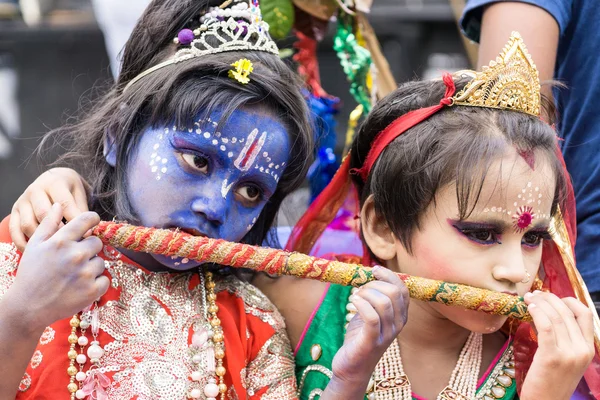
(273, 367)
(150, 325)
(504, 368)
(274, 364)
(313, 368)
(314, 393)
(255, 301)
(232, 394)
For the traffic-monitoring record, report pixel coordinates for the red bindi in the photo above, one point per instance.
(523, 218)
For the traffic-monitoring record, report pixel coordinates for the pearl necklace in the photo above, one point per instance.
(94, 383)
(389, 382)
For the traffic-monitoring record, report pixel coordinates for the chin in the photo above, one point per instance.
(474, 321)
(176, 263)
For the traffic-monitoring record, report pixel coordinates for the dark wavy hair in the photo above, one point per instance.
(457, 144)
(175, 95)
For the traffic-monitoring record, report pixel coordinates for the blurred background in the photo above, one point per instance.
(53, 59)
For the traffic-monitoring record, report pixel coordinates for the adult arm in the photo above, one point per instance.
(538, 27)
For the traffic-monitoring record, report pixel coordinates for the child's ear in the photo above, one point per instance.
(376, 232)
(110, 150)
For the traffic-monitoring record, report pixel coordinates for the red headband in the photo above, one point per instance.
(325, 207)
(401, 125)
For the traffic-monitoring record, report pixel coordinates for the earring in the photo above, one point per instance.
(528, 278)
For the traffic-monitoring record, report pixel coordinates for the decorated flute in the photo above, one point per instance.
(280, 262)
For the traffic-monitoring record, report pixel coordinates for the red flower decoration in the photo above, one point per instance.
(523, 218)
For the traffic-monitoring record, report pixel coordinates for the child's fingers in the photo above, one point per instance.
(584, 318)
(542, 322)
(14, 228)
(384, 307)
(90, 246)
(41, 205)
(386, 275)
(390, 284)
(369, 316)
(80, 196)
(394, 297)
(561, 318)
(49, 225)
(72, 203)
(102, 283)
(567, 319)
(75, 229)
(96, 267)
(28, 223)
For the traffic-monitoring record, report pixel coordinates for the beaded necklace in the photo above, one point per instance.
(389, 382)
(207, 345)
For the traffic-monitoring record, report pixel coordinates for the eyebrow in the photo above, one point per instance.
(503, 224)
(183, 140)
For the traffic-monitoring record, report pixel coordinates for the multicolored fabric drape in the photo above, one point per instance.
(557, 275)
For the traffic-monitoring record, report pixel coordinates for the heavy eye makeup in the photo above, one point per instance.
(190, 157)
(535, 237)
(193, 160)
(481, 233)
(489, 234)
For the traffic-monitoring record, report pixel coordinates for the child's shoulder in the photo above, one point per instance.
(254, 301)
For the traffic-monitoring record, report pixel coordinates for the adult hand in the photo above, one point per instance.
(58, 185)
(565, 346)
(59, 273)
(382, 307)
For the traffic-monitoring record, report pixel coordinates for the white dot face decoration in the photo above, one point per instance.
(158, 163)
(526, 208)
(246, 150)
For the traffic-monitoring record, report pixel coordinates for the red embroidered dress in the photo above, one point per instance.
(146, 324)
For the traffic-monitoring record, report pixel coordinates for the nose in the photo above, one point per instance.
(510, 265)
(213, 208)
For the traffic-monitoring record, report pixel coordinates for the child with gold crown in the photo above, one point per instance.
(458, 180)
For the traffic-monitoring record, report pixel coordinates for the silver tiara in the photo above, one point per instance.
(233, 26)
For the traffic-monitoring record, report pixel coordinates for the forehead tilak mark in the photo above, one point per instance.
(250, 152)
(529, 157)
(524, 212)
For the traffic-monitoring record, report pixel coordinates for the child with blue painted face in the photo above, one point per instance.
(205, 131)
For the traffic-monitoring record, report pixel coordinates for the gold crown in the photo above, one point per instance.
(511, 82)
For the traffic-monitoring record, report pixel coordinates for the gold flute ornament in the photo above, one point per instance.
(280, 262)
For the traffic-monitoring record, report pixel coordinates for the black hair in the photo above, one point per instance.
(175, 95)
(457, 144)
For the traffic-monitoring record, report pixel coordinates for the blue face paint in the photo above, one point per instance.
(207, 179)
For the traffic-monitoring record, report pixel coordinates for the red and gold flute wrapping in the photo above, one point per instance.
(280, 262)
